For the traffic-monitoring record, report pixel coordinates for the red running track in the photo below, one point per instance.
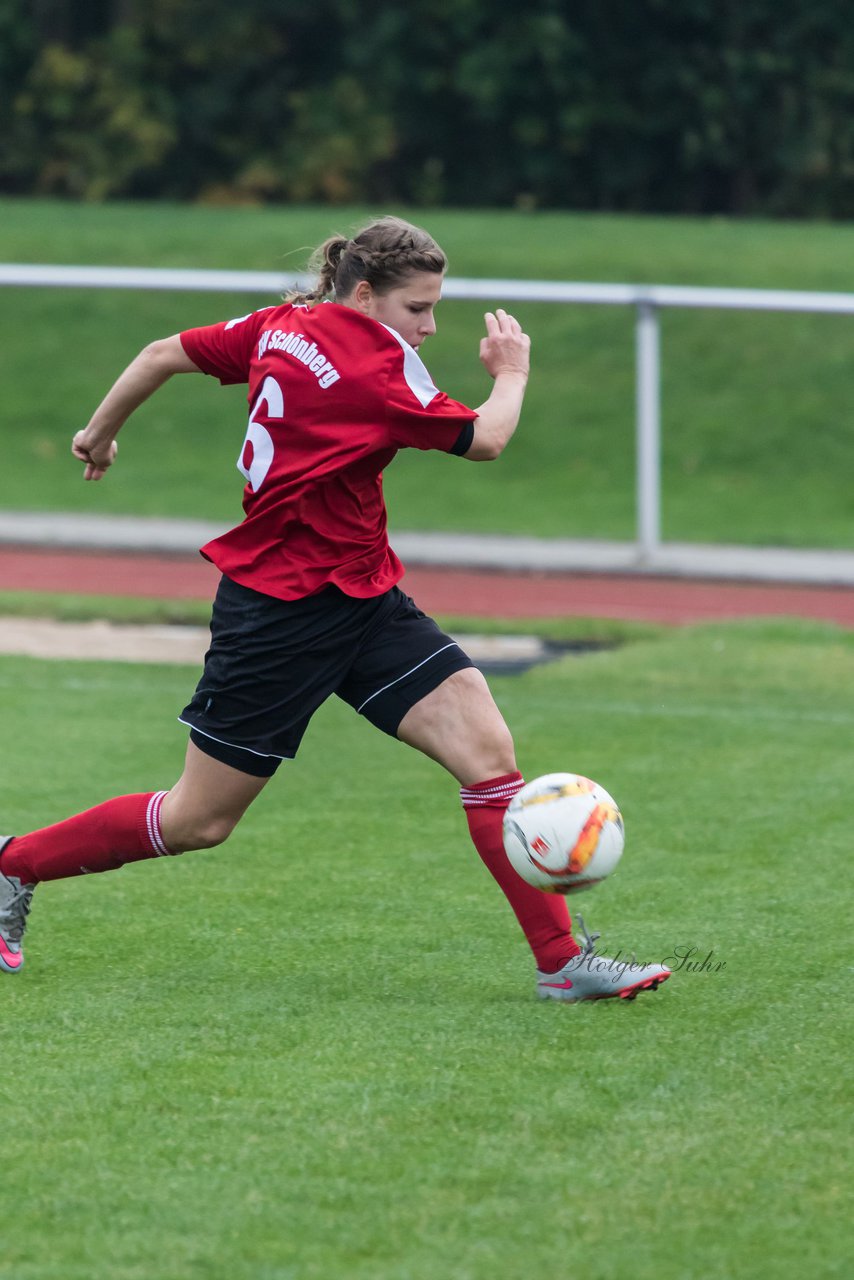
(449, 591)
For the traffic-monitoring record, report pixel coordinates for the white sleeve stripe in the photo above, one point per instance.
(417, 378)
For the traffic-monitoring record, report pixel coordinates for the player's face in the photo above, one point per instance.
(408, 309)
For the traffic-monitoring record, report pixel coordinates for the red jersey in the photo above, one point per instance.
(333, 395)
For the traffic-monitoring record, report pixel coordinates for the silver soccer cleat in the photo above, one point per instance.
(591, 977)
(15, 899)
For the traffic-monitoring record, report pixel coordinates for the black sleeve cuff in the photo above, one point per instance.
(464, 440)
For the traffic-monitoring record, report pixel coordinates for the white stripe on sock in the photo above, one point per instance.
(152, 822)
(489, 795)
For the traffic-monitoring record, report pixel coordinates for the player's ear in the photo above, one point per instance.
(362, 297)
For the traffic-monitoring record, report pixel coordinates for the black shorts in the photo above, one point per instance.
(273, 662)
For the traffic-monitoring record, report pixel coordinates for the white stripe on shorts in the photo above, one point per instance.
(453, 645)
(234, 746)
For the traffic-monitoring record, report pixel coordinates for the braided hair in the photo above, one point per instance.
(385, 253)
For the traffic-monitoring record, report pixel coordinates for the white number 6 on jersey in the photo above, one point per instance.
(256, 455)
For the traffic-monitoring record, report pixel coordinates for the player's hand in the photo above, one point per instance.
(97, 456)
(505, 349)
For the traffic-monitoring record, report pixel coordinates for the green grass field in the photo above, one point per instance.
(757, 408)
(316, 1052)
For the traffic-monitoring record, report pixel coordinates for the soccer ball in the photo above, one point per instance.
(563, 832)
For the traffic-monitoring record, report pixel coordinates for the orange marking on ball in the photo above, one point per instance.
(585, 846)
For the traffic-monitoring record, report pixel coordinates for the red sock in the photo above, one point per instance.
(543, 916)
(126, 829)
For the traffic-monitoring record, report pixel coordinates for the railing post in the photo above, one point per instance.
(648, 431)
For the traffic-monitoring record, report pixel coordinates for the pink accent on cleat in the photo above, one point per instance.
(10, 960)
(15, 899)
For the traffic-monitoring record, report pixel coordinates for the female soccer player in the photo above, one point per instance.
(308, 603)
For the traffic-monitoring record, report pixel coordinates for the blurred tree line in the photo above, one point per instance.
(696, 106)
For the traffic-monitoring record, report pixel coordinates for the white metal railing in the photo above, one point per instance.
(647, 299)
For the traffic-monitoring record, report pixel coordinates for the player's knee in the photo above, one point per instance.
(202, 832)
(497, 740)
(507, 750)
(493, 754)
(215, 831)
(501, 751)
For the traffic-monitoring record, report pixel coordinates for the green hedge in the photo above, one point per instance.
(693, 106)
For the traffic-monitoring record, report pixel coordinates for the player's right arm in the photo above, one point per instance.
(96, 445)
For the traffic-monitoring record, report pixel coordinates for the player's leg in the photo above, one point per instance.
(458, 725)
(206, 803)
(270, 665)
(200, 811)
(415, 683)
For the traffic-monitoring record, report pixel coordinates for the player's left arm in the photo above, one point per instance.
(96, 444)
(505, 352)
